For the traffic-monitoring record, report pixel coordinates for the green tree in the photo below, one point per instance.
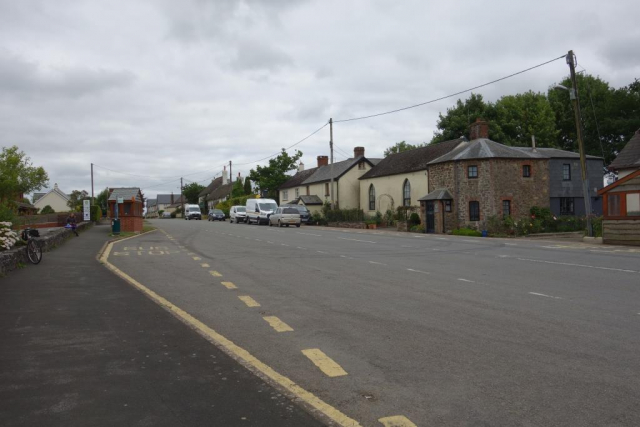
(75, 200)
(238, 188)
(269, 178)
(609, 116)
(47, 210)
(18, 175)
(102, 199)
(191, 192)
(401, 146)
(518, 117)
(455, 123)
(247, 187)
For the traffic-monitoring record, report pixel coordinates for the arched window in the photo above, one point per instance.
(406, 193)
(372, 198)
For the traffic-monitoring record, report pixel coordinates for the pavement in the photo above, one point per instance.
(81, 347)
(418, 329)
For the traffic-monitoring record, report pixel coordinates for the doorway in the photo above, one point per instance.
(431, 227)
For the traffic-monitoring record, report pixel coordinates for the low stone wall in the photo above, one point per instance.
(576, 235)
(621, 232)
(11, 259)
(360, 225)
(45, 221)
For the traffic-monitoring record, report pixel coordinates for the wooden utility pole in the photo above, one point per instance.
(92, 184)
(230, 173)
(333, 204)
(181, 191)
(573, 94)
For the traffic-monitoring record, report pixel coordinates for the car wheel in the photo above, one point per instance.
(270, 223)
(279, 224)
(287, 225)
(298, 225)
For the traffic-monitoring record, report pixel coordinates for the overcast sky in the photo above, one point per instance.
(161, 89)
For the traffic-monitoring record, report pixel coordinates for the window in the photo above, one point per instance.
(474, 211)
(472, 171)
(566, 206)
(526, 171)
(406, 193)
(633, 204)
(361, 165)
(566, 172)
(614, 205)
(308, 194)
(297, 193)
(372, 198)
(326, 189)
(447, 205)
(285, 194)
(127, 208)
(506, 208)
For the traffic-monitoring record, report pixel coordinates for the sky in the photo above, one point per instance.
(150, 91)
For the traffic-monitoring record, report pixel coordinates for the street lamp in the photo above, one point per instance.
(573, 95)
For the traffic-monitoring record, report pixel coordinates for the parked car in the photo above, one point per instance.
(237, 214)
(285, 216)
(259, 210)
(305, 215)
(192, 212)
(166, 214)
(216, 215)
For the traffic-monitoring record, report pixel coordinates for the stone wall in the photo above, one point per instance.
(621, 232)
(11, 259)
(360, 225)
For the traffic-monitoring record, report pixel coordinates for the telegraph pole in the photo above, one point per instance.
(91, 184)
(573, 94)
(181, 190)
(230, 173)
(333, 205)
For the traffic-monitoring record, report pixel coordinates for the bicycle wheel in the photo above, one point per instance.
(34, 252)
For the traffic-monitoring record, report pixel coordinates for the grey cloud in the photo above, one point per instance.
(256, 55)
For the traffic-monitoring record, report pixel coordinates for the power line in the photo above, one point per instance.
(449, 96)
(593, 110)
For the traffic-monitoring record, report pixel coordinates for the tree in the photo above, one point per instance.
(102, 199)
(457, 120)
(518, 117)
(617, 112)
(75, 200)
(247, 187)
(192, 191)
(401, 146)
(270, 178)
(47, 210)
(18, 175)
(238, 188)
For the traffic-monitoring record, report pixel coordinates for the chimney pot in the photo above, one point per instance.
(533, 143)
(479, 129)
(300, 167)
(323, 160)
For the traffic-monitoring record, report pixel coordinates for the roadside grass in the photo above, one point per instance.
(146, 227)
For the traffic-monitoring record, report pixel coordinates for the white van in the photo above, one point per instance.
(192, 212)
(259, 210)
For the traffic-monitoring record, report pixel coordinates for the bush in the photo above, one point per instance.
(318, 219)
(501, 226)
(7, 214)
(414, 219)
(403, 213)
(96, 212)
(174, 214)
(417, 229)
(160, 212)
(8, 237)
(47, 210)
(596, 224)
(378, 218)
(342, 215)
(389, 217)
(466, 232)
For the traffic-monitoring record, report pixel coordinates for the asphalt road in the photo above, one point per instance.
(442, 330)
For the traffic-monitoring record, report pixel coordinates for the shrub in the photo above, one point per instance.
(378, 218)
(417, 228)
(596, 224)
(389, 217)
(317, 218)
(96, 212)
(342, 215)
(501, 226)
(466, 232)
(8, 237)
(47, 210)
(414, 219)
(160, 212)
(403, 212)
(174, 214)
(7, 214)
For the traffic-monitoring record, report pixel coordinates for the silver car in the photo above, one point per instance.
(285, 216)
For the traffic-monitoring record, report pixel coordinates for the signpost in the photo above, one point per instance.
(86, 209)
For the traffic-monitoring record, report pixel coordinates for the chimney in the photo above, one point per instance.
(224, 175)
(533, 143)
(239, 178)
(55, 186)
(479, 129)
(300, 167)
(323, 160)
(172, 197)
(358, 152)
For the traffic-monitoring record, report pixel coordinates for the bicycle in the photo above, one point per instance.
(34, 250)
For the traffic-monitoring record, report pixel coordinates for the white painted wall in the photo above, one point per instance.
(389, 188)
(53, 199)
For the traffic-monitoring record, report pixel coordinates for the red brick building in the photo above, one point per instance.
(130, 211)
(480, 179)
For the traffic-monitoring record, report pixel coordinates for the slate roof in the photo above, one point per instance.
(297, 179)
(165, 199)
(411, 160)
(126, 194)
(483, 148)
(629, 157)
(37, 196)
(151, 202)
(311, 200)
(323, 173)
(438, 194)
(215, 183)
(221, 192)
(556, 153)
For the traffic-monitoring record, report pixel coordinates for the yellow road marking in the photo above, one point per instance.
(234, 350)
(249, 301)
(324, 362)
(197, 258)
(229, 285)
(190, 253)
(396, 421)
(278, 324)
(205, 265)
(215, 273)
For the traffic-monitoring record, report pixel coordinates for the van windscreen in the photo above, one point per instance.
(268, 206)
